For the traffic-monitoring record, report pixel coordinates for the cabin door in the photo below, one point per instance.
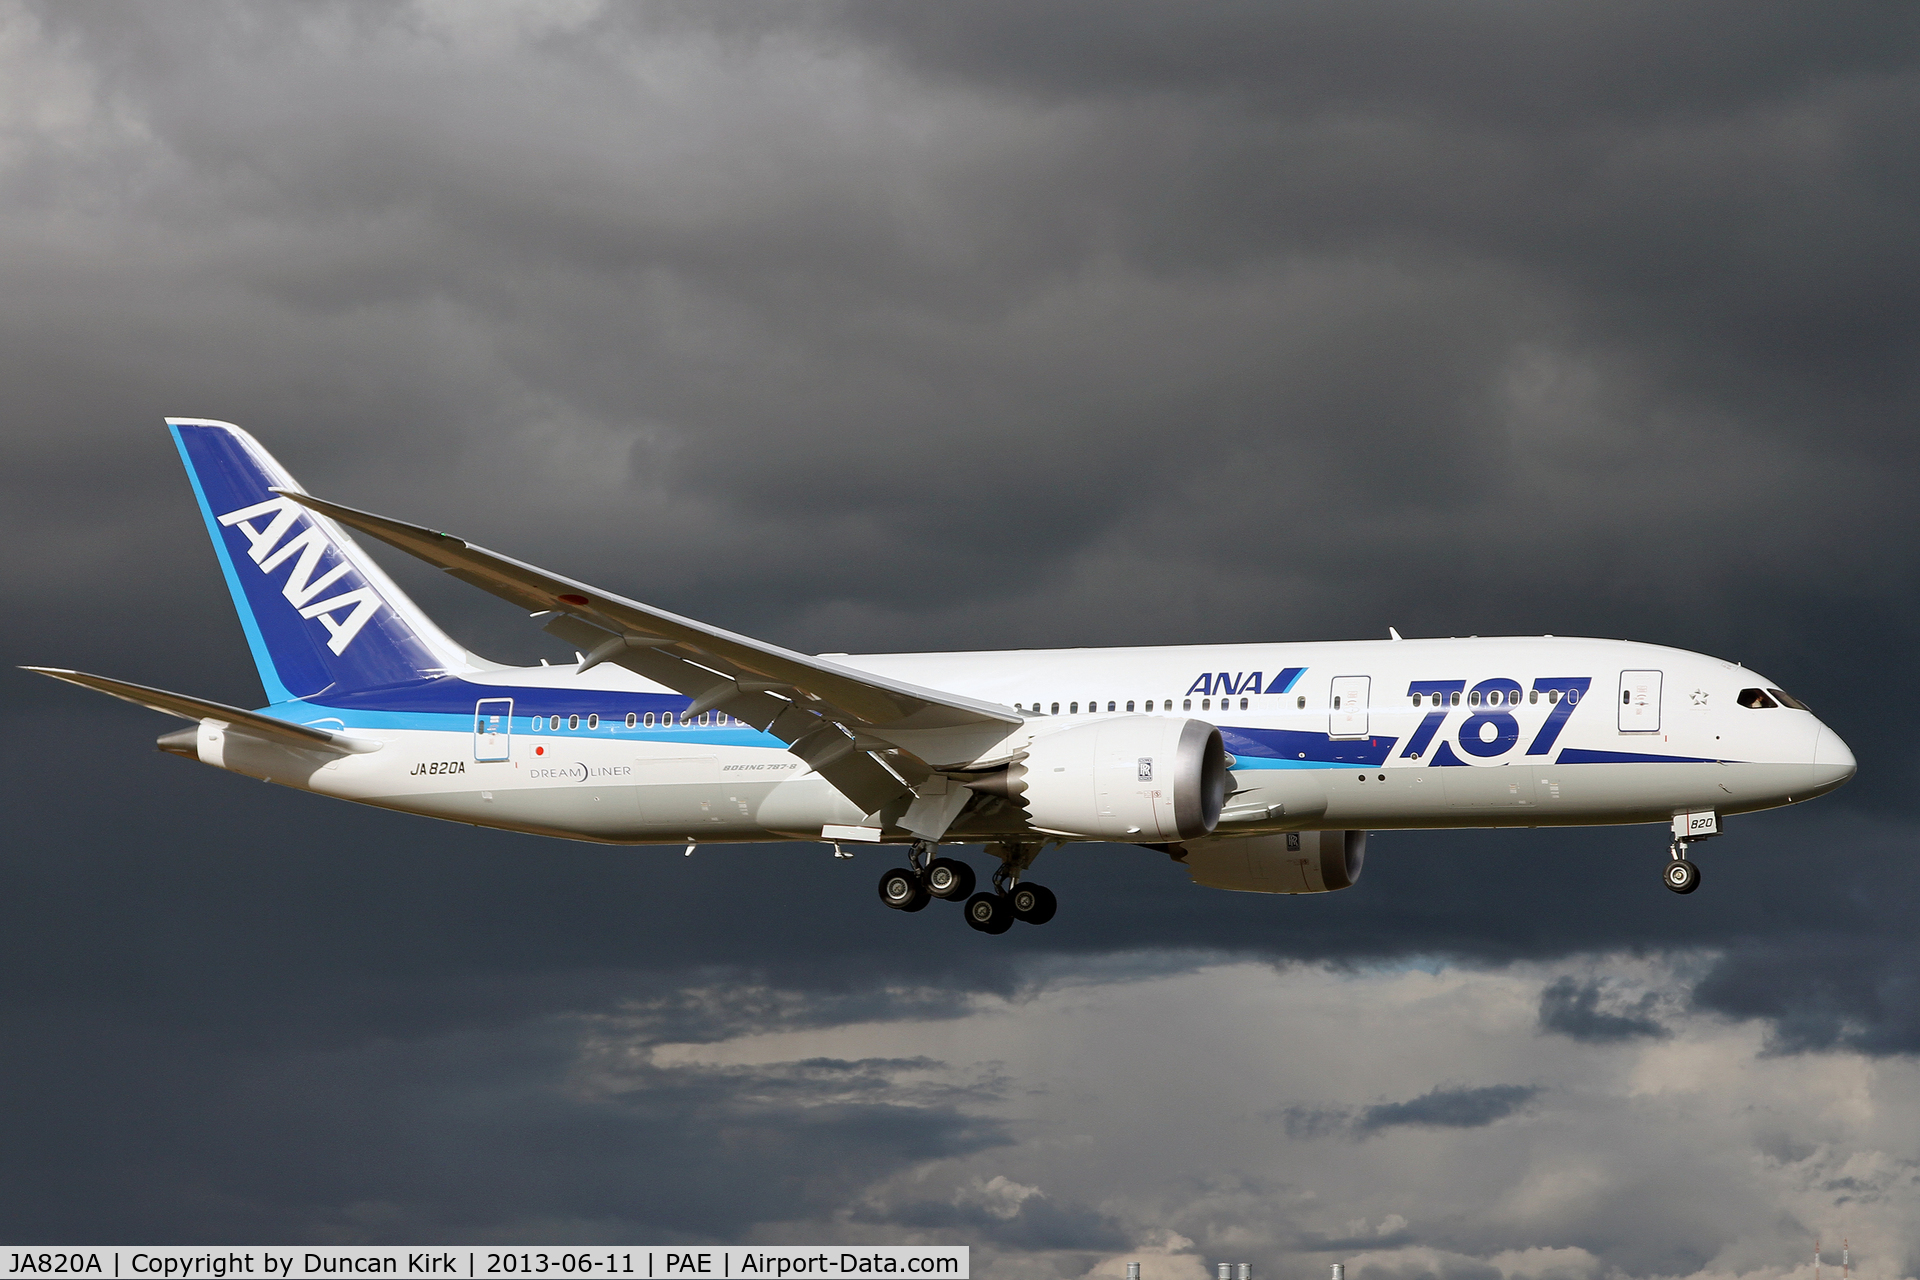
(1347, 707)
(493, 729)
(1639, 702)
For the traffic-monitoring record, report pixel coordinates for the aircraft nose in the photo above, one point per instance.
(1833, 762)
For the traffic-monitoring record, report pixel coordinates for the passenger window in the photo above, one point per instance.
(1300, 703)
(554, 723)
(648, 722)
(1336, 702)
(632, 720)
(538, 723)
(1455, 699)
(1186, 704)
(1073, 708)
(1109, 704)
(593, 721)
(703, 719)
(1056, 709)
(1533, 696)
(1553, 696)
(1788, 700)
(666, 719)
(1129, 706)
(1243, 704)
(1755, 699)
(1473, 699)
(1573, 695)
(573, 722)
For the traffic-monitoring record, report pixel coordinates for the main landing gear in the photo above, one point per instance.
(912, 887)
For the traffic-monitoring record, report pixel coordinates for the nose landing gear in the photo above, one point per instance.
(1681, 876)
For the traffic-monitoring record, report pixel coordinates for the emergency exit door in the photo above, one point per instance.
(493, 729)
(1639, 702)
(1347, 707)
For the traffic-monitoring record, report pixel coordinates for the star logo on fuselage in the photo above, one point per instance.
(1699, 697)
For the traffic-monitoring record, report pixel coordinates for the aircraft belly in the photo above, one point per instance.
(1505, 788)
(1388, 796)
(799, 807)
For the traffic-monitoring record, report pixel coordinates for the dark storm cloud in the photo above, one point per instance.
(1449, 1108)
(1446, 292)
(444, 1136)
(861, 326)
(1444, 1107)
(1573, 1009)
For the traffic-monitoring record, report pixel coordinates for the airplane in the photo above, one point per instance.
(1257, 767)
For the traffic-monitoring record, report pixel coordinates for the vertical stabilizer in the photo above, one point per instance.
(320, 616)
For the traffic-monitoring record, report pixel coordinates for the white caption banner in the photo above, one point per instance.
(619, 1262)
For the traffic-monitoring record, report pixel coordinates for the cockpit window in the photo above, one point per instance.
(1755, 699)
(1788, 700)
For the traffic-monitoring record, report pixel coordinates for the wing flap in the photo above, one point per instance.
(844, 759)
(950, 728)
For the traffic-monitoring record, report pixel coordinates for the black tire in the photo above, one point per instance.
(989, 913)
(901, 890)
(1682, 876)
(1033, 903)
(948, 878)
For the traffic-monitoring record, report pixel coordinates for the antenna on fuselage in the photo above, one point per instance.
(1393, 635)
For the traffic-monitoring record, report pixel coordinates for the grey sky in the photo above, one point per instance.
(874, 326)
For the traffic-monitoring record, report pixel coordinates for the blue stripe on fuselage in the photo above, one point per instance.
(1294, 749)
(446, 704)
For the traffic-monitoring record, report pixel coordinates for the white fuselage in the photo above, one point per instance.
(1507, 732)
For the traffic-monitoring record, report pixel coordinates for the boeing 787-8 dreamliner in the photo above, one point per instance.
(1256, 766)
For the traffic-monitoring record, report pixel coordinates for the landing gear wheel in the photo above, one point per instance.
(948, 878)
(1033, 903)
(1682, 876)
(990, 912)
(901, 890)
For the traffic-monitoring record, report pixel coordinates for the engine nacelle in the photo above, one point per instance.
(1291, 862)
(1141, 779)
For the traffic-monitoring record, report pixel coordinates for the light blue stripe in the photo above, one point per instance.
(298, 712)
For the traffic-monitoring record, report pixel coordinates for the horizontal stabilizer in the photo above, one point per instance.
(252, 722)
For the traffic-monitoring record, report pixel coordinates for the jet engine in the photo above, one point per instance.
(1289, 862)
(1141, 779)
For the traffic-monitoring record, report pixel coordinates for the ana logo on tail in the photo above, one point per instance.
(270, 548)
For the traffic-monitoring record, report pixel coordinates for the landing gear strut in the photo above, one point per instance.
(1680, 875)
(924, 878)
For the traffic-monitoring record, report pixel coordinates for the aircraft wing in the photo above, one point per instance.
(179, 704)
(872, 737)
